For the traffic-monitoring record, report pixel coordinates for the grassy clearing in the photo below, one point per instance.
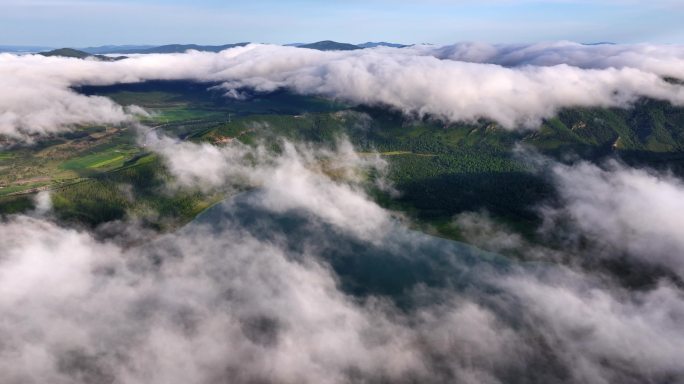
(136, 191)
(110, 158)
(64, 159)
(13, 189)
(118, 160)
(180, 114)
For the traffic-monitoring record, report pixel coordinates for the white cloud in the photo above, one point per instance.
(301, 178)
(633, 211)
(38, 100)
(43, 202)
(33, 103)
(604, 334)
(663, 60)
(205, 306)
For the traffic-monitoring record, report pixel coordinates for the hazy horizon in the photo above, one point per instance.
(93, 23)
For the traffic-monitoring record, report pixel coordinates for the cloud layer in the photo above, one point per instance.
(632, 212)
(266, 287)
(515, 86)
(663, 60)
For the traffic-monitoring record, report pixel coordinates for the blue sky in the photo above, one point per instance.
(98, 22)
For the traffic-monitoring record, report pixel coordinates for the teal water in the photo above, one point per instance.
(396, 264)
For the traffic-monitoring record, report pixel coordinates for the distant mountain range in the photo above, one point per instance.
(169, 48)
(371, 44)
(107, 49)
(326, 45)
(329, 45)
(600, 43)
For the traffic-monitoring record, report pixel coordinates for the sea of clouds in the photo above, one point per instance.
(288, 283)
(516, 86)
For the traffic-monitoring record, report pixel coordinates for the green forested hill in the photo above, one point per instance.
(650, 126)
(440, 169)
(75, 53)
(180, 48)
(328, 45)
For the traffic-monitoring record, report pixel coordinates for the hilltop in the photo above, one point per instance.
(329, 45)
(180, 48)
(371, 44)
(325, 45)
(106, 49)
(75, 53)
